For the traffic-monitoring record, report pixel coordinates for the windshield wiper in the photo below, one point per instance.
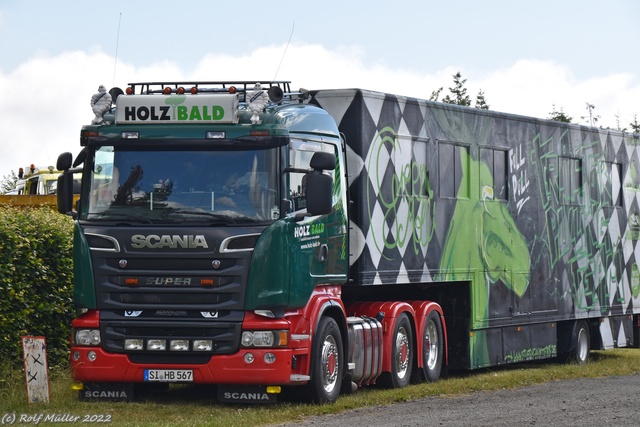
(222, 219)
(137, 218)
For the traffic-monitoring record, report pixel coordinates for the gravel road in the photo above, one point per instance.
(610, 401)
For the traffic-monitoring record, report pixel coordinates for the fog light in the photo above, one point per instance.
(179, 345)
(269, 358)
(133, 344)
(202, 345)
(76, 355)
(92, 355)
(248, 357)
(156, 345)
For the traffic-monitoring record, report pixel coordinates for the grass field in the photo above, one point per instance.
(196, 405)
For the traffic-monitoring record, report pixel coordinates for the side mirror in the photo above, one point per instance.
(64, 161)
(65, 193)
(320, 186)
(65, 184)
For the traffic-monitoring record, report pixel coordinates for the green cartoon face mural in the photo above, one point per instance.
(483, 238)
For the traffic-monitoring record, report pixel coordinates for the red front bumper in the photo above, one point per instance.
(221, 369)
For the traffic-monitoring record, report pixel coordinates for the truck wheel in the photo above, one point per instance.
(401, 355)
(326, 363)
(432, 348)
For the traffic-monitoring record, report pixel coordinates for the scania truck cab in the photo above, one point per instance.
(204, 226)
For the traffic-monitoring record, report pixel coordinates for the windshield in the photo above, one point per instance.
(227, 187)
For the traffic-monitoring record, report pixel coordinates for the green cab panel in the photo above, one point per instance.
(84, 291)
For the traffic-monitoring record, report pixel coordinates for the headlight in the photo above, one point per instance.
(87, 337)
(265, 339)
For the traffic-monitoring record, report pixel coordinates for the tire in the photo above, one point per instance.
(580, 344)
(432, 348)
(326, 368)
(401, 355)
(582, 340)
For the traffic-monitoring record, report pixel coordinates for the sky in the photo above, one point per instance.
(528, 58)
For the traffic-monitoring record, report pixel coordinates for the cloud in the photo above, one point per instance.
(46, 99)
(533, 87)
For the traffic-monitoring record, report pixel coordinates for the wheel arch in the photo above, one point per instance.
(422, 310)
(331, 306)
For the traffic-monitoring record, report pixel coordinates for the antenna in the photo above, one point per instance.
(293, 26)
(115, 60)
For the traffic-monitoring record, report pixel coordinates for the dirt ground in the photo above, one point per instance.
(610, 401)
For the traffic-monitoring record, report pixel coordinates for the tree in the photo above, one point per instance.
(435, 94)
(481, 102)
(8, 183)
(592, 119)
(458, 92)
(559, 116)
(635, 126)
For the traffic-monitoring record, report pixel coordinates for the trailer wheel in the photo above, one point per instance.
(582, 340)
(326, 363)
(432, 348)
(401, 355)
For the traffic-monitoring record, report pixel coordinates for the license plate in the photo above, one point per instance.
(168, 375)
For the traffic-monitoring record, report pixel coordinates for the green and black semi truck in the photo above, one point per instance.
(245, 235)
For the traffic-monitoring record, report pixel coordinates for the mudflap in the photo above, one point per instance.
(109, 392)
(245, 394)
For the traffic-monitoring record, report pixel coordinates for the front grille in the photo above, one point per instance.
(225, 335)
(171, 294)
(169, 298)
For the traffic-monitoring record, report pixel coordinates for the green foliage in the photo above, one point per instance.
(635, 126)
(458, 92)
(36, 281)
(481, 102)
(559, 116)
(8, 182)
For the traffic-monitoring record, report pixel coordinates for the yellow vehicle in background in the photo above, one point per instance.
(38, 186)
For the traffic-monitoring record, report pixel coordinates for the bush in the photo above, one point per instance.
(36, 281)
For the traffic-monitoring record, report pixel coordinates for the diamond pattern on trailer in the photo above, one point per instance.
(581, 249)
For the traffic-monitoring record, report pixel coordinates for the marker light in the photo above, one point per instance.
(130, 135)
(181, 90)
(217, 134)
(259, 133)
(167, 90)
(232, 89)
(193, 90)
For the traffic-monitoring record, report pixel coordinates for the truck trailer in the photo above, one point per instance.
(260, 239)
